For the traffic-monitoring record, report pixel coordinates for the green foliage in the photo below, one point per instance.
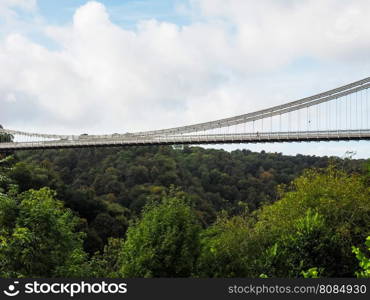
(308, 232)
(310, 243)
(5, 137)
(107, 264)
(76, 265)
(6, 183)
(164, 242)
(31, 176)
(88, 181)
(224, 248)
(316, 222)
(216, 180)
(99, 265)
(37, 235)
(311, 273)
(364, 261)
(367, 172)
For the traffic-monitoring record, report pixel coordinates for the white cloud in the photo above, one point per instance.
(328, 29)
(10, 98)
(18, 16)
(29, 5)
(233, 58)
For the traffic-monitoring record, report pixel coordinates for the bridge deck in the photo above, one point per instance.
(305, 136)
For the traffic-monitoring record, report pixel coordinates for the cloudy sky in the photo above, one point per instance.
(74, 66)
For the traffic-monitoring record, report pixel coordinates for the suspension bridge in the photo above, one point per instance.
(339, 114)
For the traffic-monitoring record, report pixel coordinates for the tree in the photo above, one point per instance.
(6, 183)
(32, 176)
(37, 235)
(225, 248)
(311, 243)
(106, 264)
(342, 204)
(164, 242)
(5, 137)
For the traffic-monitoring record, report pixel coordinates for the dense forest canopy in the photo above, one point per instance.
(169, 212)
